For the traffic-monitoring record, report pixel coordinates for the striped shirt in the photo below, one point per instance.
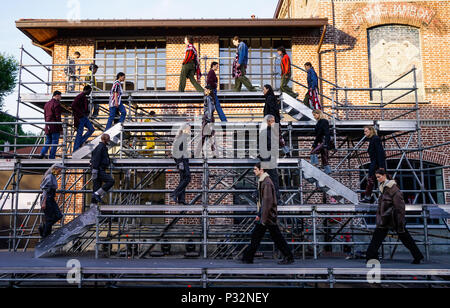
(285, 65)
(116, 88)
(190, 54)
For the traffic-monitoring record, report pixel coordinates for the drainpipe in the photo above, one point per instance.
(319, 55)
(335, 42)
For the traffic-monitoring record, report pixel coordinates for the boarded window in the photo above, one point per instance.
(393, 51)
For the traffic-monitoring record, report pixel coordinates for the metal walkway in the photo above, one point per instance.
(22, 270)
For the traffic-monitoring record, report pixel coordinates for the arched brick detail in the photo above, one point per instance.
(428, 156)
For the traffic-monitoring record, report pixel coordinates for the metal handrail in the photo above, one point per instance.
(135, 76)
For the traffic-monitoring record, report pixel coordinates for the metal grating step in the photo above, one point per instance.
(327, 184)
(296, 109)
(50, 245)
(113, 132)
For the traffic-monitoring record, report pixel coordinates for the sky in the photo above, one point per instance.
(11, 39)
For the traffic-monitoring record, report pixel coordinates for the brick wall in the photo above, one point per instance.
(353, 18)
(65, 48)
(349, 65)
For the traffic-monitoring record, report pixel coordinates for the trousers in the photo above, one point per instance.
(275, 234)
(377, 240)
(243, 80)
(185, 179)
(105, 179)
(188, 71)
(52, 214)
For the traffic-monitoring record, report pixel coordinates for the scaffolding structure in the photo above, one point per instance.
(218, 220)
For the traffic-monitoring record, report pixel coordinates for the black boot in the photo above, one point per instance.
(41, 230)
(286, 261)
(366, 200)
(96, 199)
(417, 260)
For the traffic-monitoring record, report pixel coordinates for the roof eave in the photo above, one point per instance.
(58, 23)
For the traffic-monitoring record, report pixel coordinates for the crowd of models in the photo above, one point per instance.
(390, 215)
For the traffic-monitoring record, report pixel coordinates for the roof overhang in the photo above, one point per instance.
(45, 31)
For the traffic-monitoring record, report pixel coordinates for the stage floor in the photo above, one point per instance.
(21, 260)
(23, 270)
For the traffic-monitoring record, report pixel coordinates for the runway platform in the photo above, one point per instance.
(22, 269)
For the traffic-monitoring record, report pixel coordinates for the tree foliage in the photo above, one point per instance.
(7, 131)
(8, 75)
(8, 79)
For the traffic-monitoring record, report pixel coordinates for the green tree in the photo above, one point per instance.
(8, 79)
(8, 76)
(7, 131)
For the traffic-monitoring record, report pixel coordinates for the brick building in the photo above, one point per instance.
(354, 44)
(371, 43)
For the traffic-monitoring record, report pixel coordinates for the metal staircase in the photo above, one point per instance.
(238, 234)
(50, 245)
(327, 184)
(113, 132)
(296, 109)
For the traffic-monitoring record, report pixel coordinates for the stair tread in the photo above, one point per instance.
(88, 148)
(298, 110)
(328, 184)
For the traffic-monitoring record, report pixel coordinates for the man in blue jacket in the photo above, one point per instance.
(312, 99)
(240, 66)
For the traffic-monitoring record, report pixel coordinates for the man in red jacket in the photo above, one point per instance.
(285, 72)
(191, 66)
(80, 110)
(52, 114)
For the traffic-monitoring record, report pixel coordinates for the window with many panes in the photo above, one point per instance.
(143, 62)
(262, 68)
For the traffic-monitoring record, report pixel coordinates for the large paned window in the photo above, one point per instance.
(143, 61)
(262, 67)
(406, 180)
